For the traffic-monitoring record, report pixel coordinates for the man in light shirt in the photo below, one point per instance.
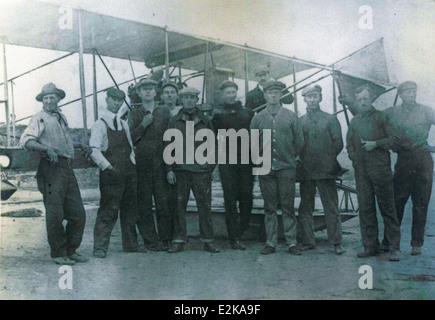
(47, 133)
(112, 151)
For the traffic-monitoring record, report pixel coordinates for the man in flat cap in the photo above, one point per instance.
(47, 133)
(255, 97)
(368, 147)
(188, 175)
(148, 123)
(169, 97)
(322, 144)
(236, 178)
(410, 123)
(279, 184)
(113, 153)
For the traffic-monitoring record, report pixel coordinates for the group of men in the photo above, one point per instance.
(133, 170)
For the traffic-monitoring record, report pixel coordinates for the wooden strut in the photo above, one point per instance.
(111, 76)
(287, 94)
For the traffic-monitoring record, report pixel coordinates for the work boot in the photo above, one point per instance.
(339, 249)
(307, 247)
(294, 250)
(368, 253)
(176, 247)
(236, 245)
(64, 261)
(99, 254)
(78, 258)
(210, 248)
(165, 246)
(268, 250)
(153, 247)
(394, 256)
(415, 251)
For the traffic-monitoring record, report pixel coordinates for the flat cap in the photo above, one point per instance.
(273, 84)
(170, 84)
(228, 83)
(313, 88)
(406, 85)
(145, 82)
(261, 69)
(188, 90)
(115, 93)
(50, 88)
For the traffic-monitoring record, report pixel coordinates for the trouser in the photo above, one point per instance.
(118, 194)
(368, 187)
(200, 184)
(279, 186)
(329, 198)
(152, 182)
(413, 177)
(62, 200)
(237, 184)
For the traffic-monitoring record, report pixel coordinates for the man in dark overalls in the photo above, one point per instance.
(112, 151)
(323, 142)
(368, 147)
(188, 174)
(411, 122)
(236, 178)
(47, 133)
(148, 123)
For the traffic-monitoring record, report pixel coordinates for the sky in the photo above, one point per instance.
(317, 30)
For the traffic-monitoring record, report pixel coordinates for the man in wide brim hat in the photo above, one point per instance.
(48, 134)
(50, 88)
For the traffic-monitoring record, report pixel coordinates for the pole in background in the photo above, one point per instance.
(334, 95)
(167, 54)
(246, 73)
(94, 67)
(204, 83)
(13, 113)
(6, 98)
(294, 91)
(82, 78)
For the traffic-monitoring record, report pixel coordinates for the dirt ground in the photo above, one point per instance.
(27, 272)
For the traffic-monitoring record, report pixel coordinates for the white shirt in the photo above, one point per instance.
(99, 141)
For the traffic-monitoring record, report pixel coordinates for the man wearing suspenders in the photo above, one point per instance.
(112, 151)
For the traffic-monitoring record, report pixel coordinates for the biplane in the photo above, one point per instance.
(167, 54)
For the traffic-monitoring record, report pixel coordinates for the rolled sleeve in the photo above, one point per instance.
(32, 132)
(98, 142)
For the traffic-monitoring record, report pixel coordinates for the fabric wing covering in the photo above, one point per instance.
(365, 67)
(49, 26)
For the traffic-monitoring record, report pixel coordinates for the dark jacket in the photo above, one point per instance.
(370, 126)
(179, 122)
(148, 141)
(233, 116)
(323, 142)
(255, 98)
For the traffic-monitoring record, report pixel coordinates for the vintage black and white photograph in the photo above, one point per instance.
(228, 150)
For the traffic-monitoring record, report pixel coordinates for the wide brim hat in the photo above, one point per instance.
(50, 88)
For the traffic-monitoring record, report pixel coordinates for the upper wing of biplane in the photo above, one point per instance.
(49, 26)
